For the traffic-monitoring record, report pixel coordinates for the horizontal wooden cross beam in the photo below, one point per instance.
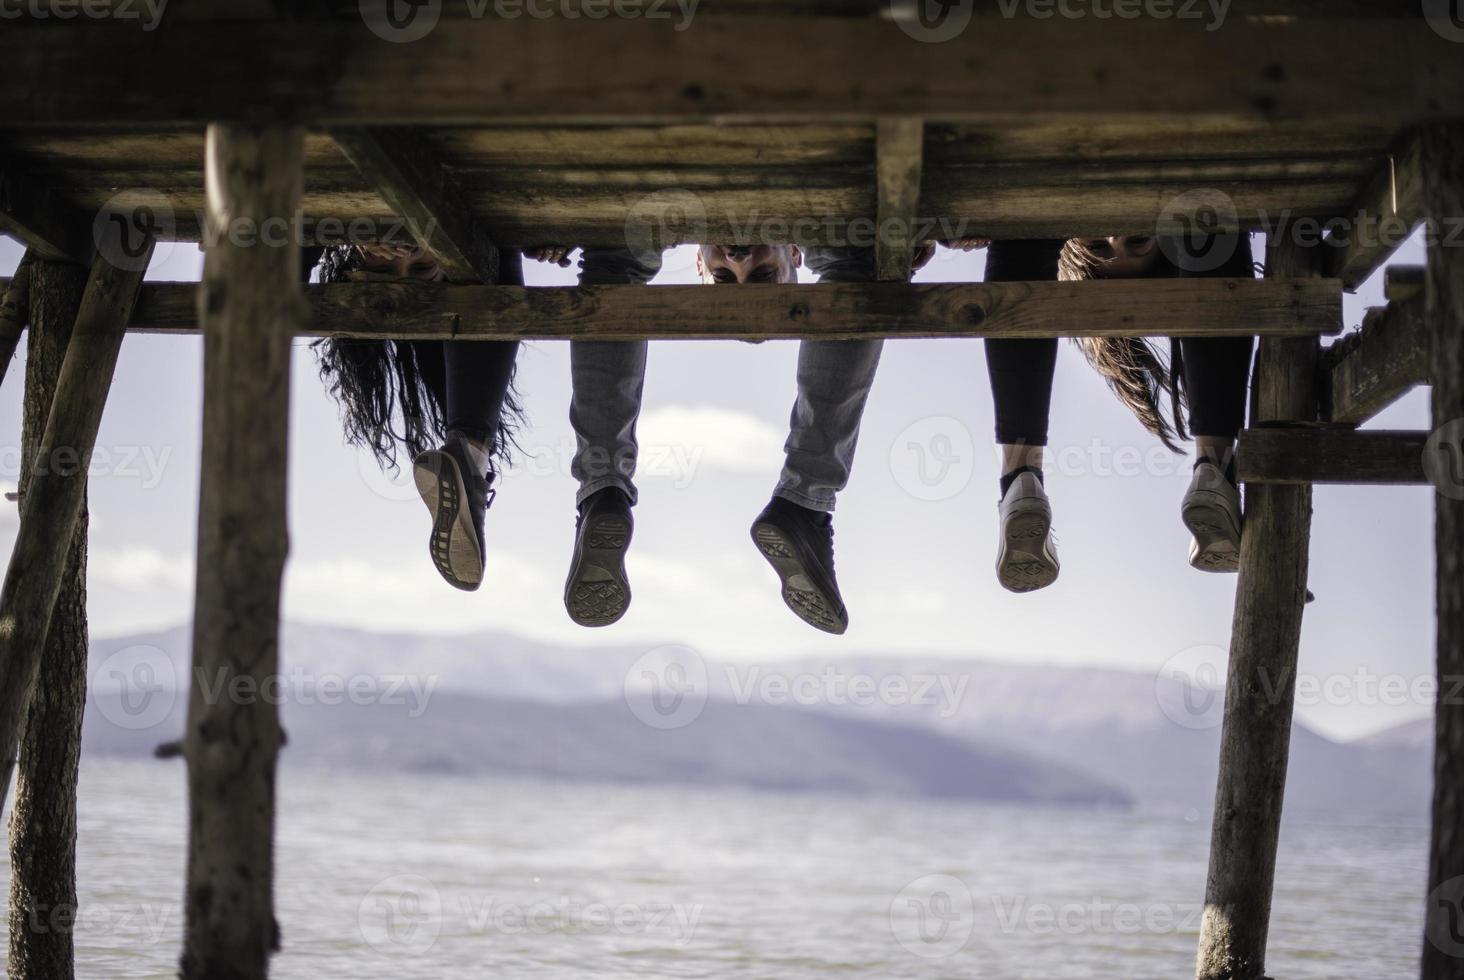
(825, 311)
(1330, 454)
(340, 73)
(1379, 364)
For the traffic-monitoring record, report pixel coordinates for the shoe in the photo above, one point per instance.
(597, 592)
(457, 496)
(1027, 558)
(1211, 511)
(799, 543)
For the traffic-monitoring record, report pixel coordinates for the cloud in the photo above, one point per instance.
(683, 438)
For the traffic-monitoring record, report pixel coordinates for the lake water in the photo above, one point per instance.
(433, 877)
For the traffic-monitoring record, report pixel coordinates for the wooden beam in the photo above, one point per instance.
(403, 169)
(56, 493)
(1369, 370)
(899, 156)
(753, 66)
(1403, 282)
(1443, 190)
(15, 311)
(1260, 684)
(43, 828)
(829, 311)
(1330, 454)
(32, 211)
(250, 305)
(1382, 218)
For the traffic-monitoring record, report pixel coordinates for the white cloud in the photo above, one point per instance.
(676, 440)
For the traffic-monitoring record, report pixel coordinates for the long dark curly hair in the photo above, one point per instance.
(392, 393)
(1137, 370)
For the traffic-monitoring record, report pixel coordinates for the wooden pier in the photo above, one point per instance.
(1336, 126)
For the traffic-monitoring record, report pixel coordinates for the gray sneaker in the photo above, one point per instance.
(1027, 558)
(1211, 511)
(456, 495)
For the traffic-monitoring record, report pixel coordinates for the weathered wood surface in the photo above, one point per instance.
(899, 164)
(1367, 371)
(833, 311)
(1330, 454)
(56, 494)
(43, 823)
(419, 189)
(818, 68)
(1260, 683)
(15, 311)
(1403, 282)
(1443, 182)
(249, 305)
(1387, 210)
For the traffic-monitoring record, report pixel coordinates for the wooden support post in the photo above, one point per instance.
(250, 308)
(1443, 179)
(43, 824)
(57, 491)
(899, 163)
(15, 311)
(1261, 682)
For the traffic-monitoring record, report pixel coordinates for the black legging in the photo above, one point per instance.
(470, 379)
(1216, 369)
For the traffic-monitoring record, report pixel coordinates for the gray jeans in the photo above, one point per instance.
(834, 379)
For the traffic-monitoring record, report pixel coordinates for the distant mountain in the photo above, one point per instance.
(945, 727)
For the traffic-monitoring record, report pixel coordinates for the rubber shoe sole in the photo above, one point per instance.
(1025, 563)
(1216, 544)
(807, 600)
(453, 543)
(598, 592)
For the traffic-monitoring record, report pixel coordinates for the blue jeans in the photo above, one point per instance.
(834, 379)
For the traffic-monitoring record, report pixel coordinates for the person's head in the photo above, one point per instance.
(1114, 257)
(748, 263)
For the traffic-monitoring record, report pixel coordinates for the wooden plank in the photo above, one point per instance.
(418, 188)
(1330, 454)
(1381, 219)
(31, 210)
(1442, 153)
(823, 69)
(57, 491)
(1402, 282)
(250, 305)
(899, 156)
(1260, 683)
(1369, 370)
(835, 311)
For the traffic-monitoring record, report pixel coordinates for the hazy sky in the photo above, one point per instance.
(915, 547)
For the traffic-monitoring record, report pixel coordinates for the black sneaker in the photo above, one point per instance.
(597, 592)
(457, 495)
(799, 544)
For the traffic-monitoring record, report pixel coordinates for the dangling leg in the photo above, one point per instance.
(1216, 372)
(456, 480)
(608, 379)
(795, 531)
(1021, 374)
